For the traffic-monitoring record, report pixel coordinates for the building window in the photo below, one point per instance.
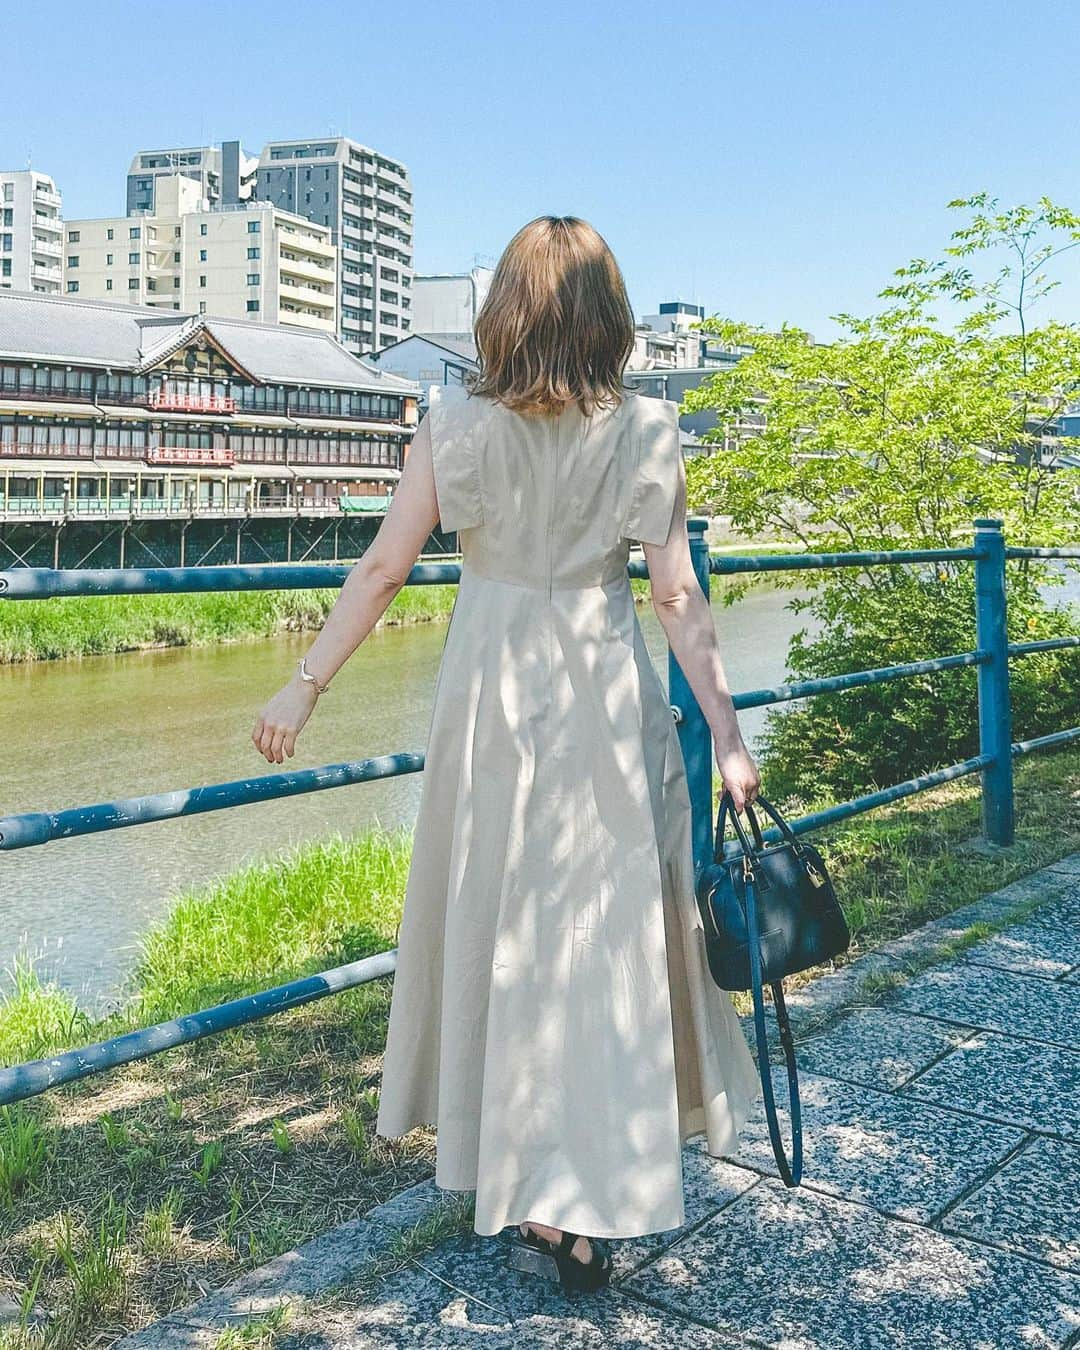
(133, 283)
(133, 258)
(176, 231)
(108, 234)
(202, 306)
(253, 227)
(73, 236)
(5, 267)
(176, 257)
(202, 228)
(73, 260)
(202, 255)
(9, 216)
(5, 242)
(202, 281)
(108, 259)
(176, 283)
(108, 283)
(253, 252)
(133, 232)
(253, 279)
(253, 306)
(72, 286)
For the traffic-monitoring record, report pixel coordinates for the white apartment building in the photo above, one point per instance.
(365, 199)
(248, 260)
(31, 232)
(448, 302)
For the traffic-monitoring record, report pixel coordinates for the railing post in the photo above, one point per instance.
(995, 711)
(695, 738)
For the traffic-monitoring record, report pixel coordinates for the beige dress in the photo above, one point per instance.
(553, 1014)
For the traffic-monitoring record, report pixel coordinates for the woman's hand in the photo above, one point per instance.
(739, 774)
(283, 718)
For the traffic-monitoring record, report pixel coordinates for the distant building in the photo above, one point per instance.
(430, 358)
(673, 316)
(247, 260)
(132, 435)
(449, 302)
(224, 175)
(31, 232)
(365, 199)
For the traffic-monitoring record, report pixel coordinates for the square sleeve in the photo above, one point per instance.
(454, 457)
(656, 474)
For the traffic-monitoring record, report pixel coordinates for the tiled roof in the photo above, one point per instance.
(132, 337)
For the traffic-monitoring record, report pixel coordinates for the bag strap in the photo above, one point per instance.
(792, 1174)
(727, 807)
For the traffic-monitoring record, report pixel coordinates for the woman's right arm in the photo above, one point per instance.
(685, 616)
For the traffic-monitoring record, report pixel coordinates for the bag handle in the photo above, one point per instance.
(727, 807)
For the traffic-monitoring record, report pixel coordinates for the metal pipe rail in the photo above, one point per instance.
(994, 760)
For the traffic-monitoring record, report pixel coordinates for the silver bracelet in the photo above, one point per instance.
(308, 678)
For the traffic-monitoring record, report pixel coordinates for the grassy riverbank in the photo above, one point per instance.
(47, 630)
(44, 630)
(120, 1197)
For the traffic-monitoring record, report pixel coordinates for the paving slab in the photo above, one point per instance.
(1031, 1206)
(1047, 943)
(875, 1048)
(994, 1000)
(795, 1270)
(909, 1159)
(708, 1184)
(463, 1294)
(1015, 1082)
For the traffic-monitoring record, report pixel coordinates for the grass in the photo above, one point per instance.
(44, 630)
(127, 1195)
(48, 630)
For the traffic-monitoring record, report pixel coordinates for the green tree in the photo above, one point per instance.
(917, 419)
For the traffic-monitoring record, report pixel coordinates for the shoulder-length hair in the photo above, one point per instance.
(556, 326)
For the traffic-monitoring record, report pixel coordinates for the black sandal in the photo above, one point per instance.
(536, 1255)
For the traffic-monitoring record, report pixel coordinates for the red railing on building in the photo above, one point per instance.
(170, 402)
(176, 454)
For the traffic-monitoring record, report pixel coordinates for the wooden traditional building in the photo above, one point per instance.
(151, 426)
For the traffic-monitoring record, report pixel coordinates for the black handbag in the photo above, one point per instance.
(768, 911)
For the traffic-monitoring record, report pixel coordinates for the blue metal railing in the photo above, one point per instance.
(994, 760)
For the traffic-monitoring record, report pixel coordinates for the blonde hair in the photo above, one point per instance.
(556, 326)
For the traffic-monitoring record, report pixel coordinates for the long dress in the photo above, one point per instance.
(552, 1015)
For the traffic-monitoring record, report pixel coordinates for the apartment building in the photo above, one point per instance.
(31, 232)
(245, 260)
(225, 175)
(365, 199)
(448, 302)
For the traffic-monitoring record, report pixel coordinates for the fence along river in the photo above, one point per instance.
(100, 728)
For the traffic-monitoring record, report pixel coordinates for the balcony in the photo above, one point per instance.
(46, 246)
(308, 268)
(165, 401)
(42, 197)
(306, 295)
(219, 457)
(305, 243)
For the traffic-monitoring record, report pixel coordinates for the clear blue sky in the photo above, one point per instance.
(771, 161)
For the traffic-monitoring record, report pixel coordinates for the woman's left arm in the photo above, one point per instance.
(368, 590)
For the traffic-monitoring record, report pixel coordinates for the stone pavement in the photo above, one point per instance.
(939, 1208)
